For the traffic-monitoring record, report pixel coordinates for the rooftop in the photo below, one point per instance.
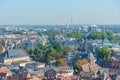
(13, 53)
(4, 70)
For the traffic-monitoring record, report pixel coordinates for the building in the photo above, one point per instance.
(50, 74)
(111, 66)
(14, 55)
(63, 73)
(84, 29)
(92, 28)
(117, 56)
(34, 65)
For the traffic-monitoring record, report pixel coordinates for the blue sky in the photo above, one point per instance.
(59, 11)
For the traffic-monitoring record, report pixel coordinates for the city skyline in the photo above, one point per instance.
(59, 12)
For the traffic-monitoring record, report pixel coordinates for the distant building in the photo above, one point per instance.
(84, 29)
(92, 28)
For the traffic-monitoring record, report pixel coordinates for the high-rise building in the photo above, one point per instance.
(92, 28)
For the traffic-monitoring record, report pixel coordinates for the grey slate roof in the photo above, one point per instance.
(43, 70)
(13, 53)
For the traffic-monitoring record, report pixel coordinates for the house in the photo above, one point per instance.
(110, 66)
(106, 42)
(22, 76)
(2, 42)
(92, 62)
(34, 65)
(118, 78)
(71, 57)
(30, 44)
(117, 56)
(63, 73)
(50, 74)
(109, 76)
(14, 55)
(43, 40)
(4, 73)
(4, 70)
(14, 69)
(72, 44)
(35, 78)
(2, 46)
(10, 73)
(38, 72)
(3, 76)
(86, 76)
(90, 70)
(2, 49)
(67, 42)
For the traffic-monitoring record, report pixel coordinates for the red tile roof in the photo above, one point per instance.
(4, 70)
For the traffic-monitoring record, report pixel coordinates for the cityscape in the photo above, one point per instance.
(60, 48)
(59, 52)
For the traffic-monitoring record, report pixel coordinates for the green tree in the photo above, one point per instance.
(51, 54)
(97, 35)
(101, 35)
(104, 53)
(52, 51)
(111, 37)
(40, 57)
(76, 35)
(59, 47)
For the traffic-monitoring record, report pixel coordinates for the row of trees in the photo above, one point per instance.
(101, 35)
(76, 35)
(96, 35)
(93, 35)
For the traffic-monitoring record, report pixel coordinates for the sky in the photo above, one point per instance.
(59, 11)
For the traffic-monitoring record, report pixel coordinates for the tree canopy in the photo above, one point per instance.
(76, 35)
(61, 62)
(79, 63)
(101, 35)
(104, 53)
(111, 37)
(59, 47)
(96, 35)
